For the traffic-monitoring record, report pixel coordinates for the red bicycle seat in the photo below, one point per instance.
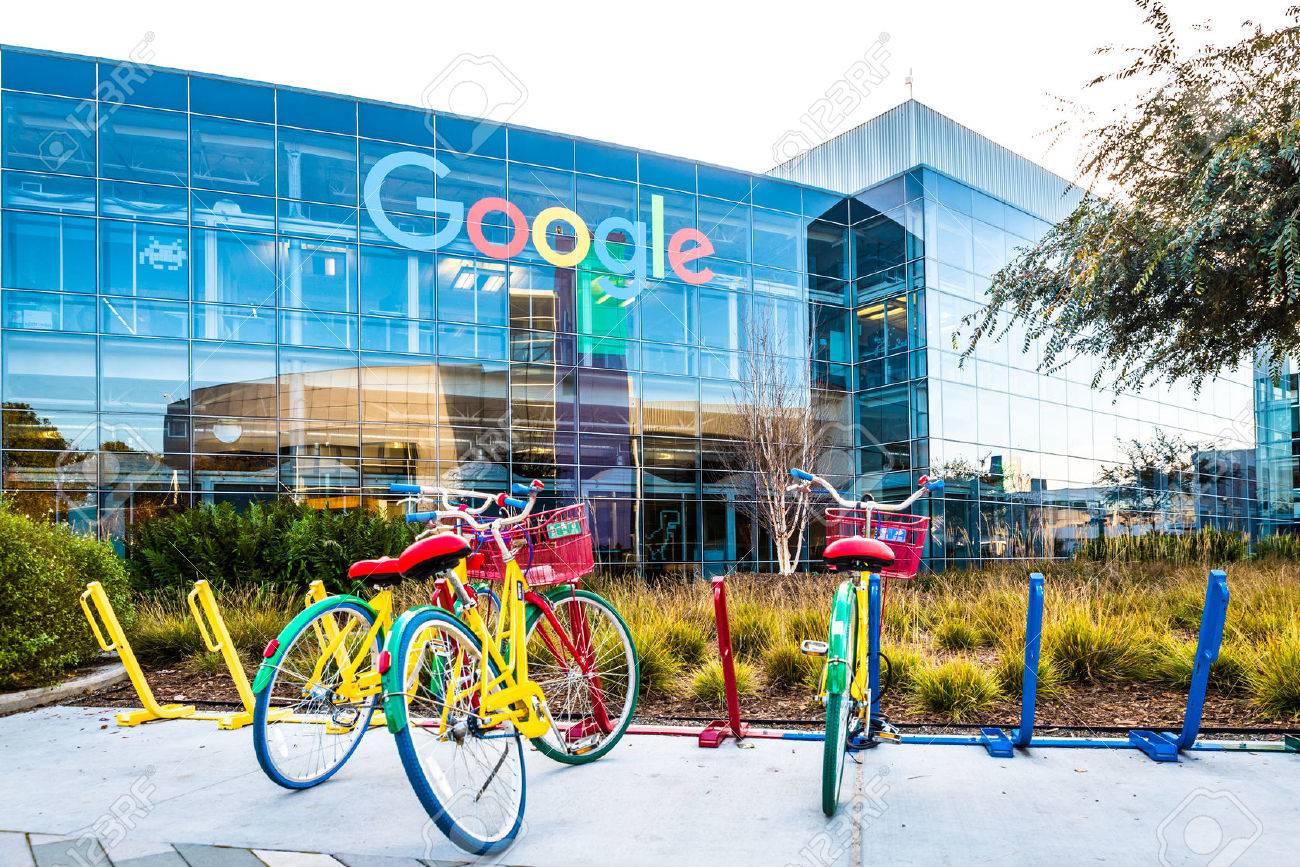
(382, 571)
(859, 551)
(430, 556)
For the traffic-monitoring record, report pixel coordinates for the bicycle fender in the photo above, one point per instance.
(394, 690)
(272, 662)
(839, 647)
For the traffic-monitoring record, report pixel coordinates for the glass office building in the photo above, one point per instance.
(218, 290)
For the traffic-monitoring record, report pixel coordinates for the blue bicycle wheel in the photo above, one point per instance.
(468, 775)
(326, 728)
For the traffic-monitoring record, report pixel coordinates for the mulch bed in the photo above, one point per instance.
(1125, 705)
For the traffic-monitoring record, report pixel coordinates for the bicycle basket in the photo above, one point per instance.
(903, 533)
(552, 547)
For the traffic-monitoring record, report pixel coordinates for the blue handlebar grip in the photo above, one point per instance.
(520, 490)
(514, 503)
(404, 489)
(936, 485)
(420, 517)
(801, 475)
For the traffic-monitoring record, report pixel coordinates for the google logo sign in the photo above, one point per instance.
(684, 247)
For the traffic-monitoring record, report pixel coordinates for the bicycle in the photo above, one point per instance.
(849, 684)
(317, 688)
(464, 698)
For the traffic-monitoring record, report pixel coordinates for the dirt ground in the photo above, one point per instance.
(1084, 706)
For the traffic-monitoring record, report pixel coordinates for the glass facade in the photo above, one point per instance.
(216, 290)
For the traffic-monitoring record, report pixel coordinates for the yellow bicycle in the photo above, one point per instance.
(318, 687)
(463, 696)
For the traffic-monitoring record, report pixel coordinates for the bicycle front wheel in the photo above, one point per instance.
(580, 652)
(467, 773)
(310, 717)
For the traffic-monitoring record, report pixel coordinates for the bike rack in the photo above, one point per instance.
(203, 605)
(998, 742)
(712, 735)
(117, 643)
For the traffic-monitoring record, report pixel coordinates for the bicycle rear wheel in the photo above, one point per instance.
(468, 775)
(304, 727)
(589, 674)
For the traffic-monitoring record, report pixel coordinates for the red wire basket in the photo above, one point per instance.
(903, 533)
(552, 547)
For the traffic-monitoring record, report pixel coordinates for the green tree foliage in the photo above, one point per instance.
(279, 544)
(1191, 261)
(44, 568)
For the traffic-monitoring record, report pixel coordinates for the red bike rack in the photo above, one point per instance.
(713, 734)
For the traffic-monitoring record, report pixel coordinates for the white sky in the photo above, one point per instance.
(721, 82)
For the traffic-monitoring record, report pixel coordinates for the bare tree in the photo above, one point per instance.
(779, 426)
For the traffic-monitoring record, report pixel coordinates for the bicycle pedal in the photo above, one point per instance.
(584, 745)
(813, 648)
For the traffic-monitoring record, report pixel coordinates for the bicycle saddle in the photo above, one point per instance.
(859, 552)
(428, 557)
(377, 572)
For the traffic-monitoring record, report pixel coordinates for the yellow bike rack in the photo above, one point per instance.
(203, 605)
(95, 595)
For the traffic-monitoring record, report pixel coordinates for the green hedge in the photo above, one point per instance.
(44, 568)
(279, 544)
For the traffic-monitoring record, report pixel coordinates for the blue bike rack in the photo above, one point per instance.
(998, 742)
(1165, 746)
(873, 645)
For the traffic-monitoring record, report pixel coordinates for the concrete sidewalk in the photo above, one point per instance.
(76, 781)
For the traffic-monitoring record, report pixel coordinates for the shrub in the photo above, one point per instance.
(1280, 546)
(277, 544)
(1275, 681)
(687, 639)
(1088, 645)
(809, 623)
(44, 568)
(957, 689)
(659, 665)
(902, 666)
(1208, 545)
(955, 634)
(709, 685)
(786, 667)
(753, 630)
(1009, 670)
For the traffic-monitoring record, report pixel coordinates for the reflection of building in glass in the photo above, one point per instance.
(198, 305)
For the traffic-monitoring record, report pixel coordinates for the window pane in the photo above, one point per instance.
(233, 267)
(234, 156)
(232, 211)
(142, 202)
(318, 275)
(727, 225)
(471, 290)
(228, 322)
(319, 384)
(49, 370)
(318, 167)
(397, 282)
(401, 335)
(48, 134)
(231, 99)
(23, 70)
(776, 239)
(49, 311)
(230, 379)
(59, 193)
(144, 260)
(143, 375)
(144, 318)
(48, 252)
(143, 144)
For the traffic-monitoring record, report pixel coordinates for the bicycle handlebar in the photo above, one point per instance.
(469, 516)
(807, 480)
